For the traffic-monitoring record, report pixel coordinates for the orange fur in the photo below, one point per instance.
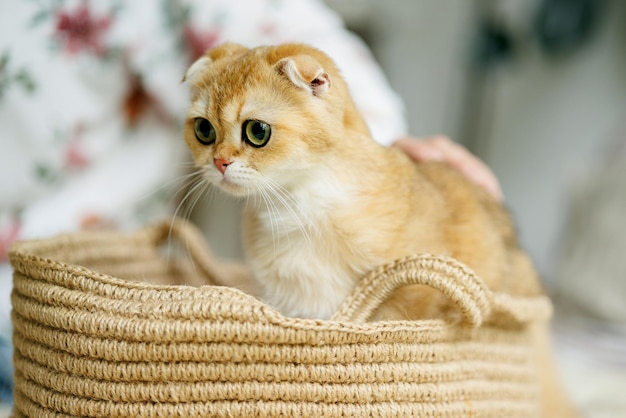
(337, 204)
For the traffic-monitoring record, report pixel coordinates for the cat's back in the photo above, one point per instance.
(450, 215)
(478, 230)
(466, 201)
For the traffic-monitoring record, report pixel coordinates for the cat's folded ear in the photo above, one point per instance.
(305, 72)
(196, 68)
(215, 54)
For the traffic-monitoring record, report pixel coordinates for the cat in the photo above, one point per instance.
(326, 203)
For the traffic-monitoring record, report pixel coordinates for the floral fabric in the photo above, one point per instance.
(91, 104)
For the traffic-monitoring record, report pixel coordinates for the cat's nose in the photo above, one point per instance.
(221, 164)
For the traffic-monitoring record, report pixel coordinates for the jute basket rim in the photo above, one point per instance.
(457, 281)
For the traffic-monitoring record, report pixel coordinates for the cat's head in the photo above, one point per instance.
(266, 115)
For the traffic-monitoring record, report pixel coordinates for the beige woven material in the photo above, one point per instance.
(95, 336)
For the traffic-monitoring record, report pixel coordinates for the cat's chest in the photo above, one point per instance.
(304, 263)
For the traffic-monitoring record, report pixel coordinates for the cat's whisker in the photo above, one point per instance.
(196, 187)
(248, 195)
(199, 193)
(289, 203)
(199, 183)
(187, 181)
(189, 185)
(177, 183)
(181, 203)
(289, 197)
(271, 211)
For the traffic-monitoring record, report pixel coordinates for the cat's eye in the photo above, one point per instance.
(256, 133)
(205, 132)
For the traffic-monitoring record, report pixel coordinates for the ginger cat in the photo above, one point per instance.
(326, 203)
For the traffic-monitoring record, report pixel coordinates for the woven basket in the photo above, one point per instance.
(96, 337)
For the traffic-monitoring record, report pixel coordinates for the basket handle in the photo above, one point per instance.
(454, 279)
(217, 272)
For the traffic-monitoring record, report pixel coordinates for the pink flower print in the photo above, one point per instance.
(198, 42)
(75, 158)
(8, 234)
(79, 30)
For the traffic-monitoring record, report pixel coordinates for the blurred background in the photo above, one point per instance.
(535, 88)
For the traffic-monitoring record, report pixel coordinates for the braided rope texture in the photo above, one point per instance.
(107, 325)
